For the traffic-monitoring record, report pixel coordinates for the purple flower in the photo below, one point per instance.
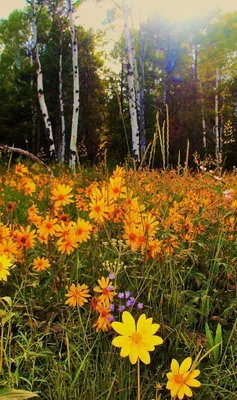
(121, 308)
(111, 319)
(110, 288)
(111, 276)
(140, 306)
(127, 294)
(121, 295)
(112, 307)
(130, 302)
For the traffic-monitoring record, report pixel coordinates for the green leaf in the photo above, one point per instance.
(218, 340)
(7, 317)
(13, 394)
(209, 336)
(7, 299)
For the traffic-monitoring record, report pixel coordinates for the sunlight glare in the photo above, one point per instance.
(181, 9)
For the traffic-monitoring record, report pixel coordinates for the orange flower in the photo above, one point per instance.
(103, 323)
(67, 244)
(20, 169)
(116, 188)
(11, 206)
(98, 210)
(106, 289)
(61, 195)
(40, 264)
(9, 248)
(25, 237)
(77, 295)
(83, 230)
(47, 227)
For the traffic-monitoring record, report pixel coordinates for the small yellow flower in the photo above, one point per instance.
(61, 195)
(106, 290)
(40, 264)
(136, 341)
(77, 295)
(103, 323)
(181, 377)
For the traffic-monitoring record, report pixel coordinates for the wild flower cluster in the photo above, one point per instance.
(85, 236)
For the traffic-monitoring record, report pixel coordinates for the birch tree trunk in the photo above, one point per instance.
(142, 94)
(76, 99)
(217, 117)
(61, 103)
(40, 89)
(131, 87)
(204, 139)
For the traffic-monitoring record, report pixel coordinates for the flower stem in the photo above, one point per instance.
(138, 380)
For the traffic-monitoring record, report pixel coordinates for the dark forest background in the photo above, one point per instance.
(180, 63)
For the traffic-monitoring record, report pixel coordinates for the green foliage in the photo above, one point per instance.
(12, 394)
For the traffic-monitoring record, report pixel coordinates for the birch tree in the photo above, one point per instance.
(131, 85)
(40, 89)
(76, 98)
(61, 104)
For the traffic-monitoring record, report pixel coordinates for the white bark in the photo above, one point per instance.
(40, 88)
(61, 103)
(204, 139)
(217, 117)
(131, 86)
(75, 115)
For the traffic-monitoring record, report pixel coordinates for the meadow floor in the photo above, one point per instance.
(78, 254)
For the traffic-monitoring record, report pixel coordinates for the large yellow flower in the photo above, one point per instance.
(181, 377)
(136, 342)
(5, 264)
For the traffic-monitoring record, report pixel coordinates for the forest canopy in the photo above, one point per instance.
(182, 76)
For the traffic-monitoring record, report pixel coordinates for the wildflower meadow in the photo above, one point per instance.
(117, 285)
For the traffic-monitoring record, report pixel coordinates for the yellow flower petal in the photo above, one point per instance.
(141, 323)
(174, 366)
(125, 350)
(193, 383)
(152, 341)
(174, 391)
(121, 341)
(129, 322)
(133, 356)
(193, 374)
(180, 392)
(144, 356)
(186, 364)
(120, 328)
(170, 376)
(187, 391)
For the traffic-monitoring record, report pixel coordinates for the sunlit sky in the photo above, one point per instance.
(92, 14)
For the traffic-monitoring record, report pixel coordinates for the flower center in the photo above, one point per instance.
(97, 208)
(179, 378)
(136, 337)
(105, 291)
(132, 237)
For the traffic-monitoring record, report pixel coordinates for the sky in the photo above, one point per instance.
(93, 14)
